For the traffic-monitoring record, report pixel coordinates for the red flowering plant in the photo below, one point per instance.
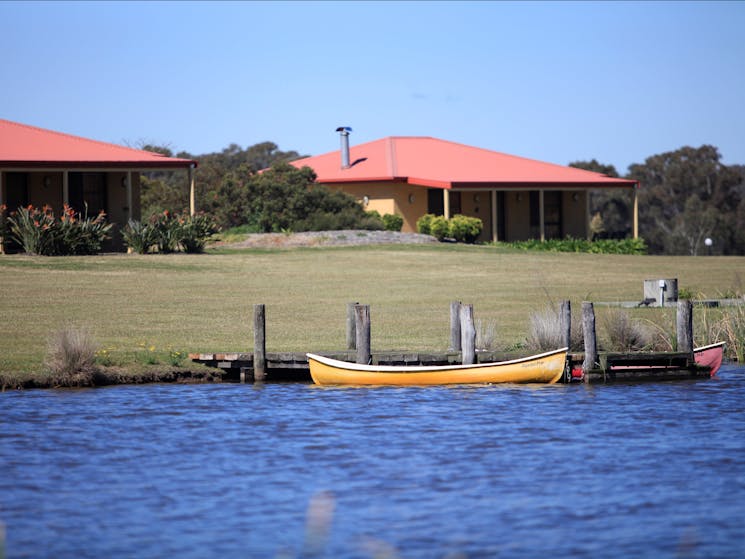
(81, 234)
(194, 230)
(166, 228)
(37, 231)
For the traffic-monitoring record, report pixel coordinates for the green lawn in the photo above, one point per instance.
(145, 310)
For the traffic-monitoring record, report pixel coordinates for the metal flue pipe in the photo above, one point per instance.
(344, 134)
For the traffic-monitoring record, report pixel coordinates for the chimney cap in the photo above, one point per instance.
(344, 129)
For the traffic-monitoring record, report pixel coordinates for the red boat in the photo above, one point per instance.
(710, 356)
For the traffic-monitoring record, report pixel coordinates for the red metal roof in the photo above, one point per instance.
(427, 161)
(26, 146)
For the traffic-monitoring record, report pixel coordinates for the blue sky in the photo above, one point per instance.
(555, 81)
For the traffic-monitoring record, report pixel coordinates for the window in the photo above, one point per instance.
(90, 189)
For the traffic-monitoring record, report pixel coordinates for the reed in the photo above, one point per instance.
(725, 324)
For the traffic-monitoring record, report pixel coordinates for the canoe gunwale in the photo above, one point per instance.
(710, 346)
(425, 368)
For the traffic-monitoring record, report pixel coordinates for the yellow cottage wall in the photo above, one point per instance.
(410, 202)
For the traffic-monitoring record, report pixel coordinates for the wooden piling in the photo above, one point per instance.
(351, 326)
(259, 343)
(565, 313)
(467, 335)
(684, 322)
(455, 326)
(362, 327)
(588, 329)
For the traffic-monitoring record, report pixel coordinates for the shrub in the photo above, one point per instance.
(393, 222)
(170, 232)
(424, 224)
(601, 246)
(465, 229)
(138, 236)
(194, 230)
(71, 358)
(462, 228)
(439, 227)
(166, 228)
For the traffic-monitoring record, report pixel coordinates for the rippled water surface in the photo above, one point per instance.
(641, 470)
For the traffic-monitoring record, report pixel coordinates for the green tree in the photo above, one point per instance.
(613, 207)
(685, 196)
(284, 197)
(169, 190)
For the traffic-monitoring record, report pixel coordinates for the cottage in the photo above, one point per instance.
(40, 167)
(516, 198)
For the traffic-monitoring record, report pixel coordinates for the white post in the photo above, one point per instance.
(446, 203)
(663, 287)
(192, 197)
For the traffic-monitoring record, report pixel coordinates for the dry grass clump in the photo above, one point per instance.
(71, 357)
(545, 333)
(486, 334)
(624, 333)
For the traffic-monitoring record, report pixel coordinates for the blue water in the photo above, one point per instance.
(293, 470)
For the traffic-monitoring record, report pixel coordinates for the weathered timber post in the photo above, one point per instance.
(684, 321)
(588, 329)
(467, 335)
(455, 326)
(351, 329)
(259, 342)
(565, 314)
(362, 326)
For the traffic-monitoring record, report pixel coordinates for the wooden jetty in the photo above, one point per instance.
(613, 367)
(588, 366)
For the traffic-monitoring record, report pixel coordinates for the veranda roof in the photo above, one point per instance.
(24, 146)
(436, 163)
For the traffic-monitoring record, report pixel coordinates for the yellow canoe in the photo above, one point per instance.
(543, 368)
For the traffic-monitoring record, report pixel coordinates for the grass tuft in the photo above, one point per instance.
(71, 357)
(486, 334)
(545, 333)
(623, 333)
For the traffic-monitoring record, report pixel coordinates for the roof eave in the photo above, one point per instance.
(150, 165)
(545, 185)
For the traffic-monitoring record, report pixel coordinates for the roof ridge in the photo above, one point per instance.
(392, 162)
(85, 140)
